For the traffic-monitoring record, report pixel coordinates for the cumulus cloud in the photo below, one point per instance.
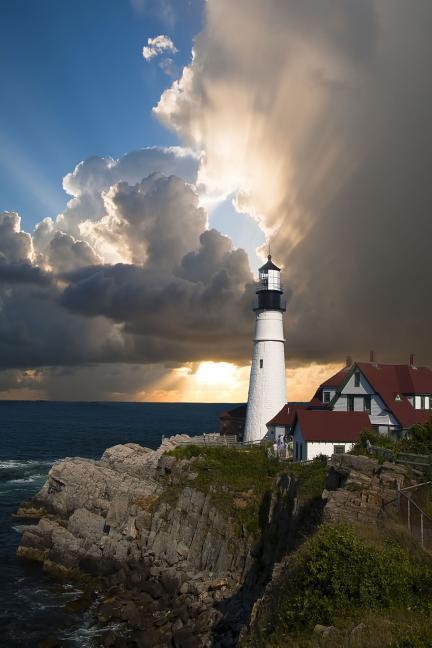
(178, 288)
(15, 245)
(158, 45)
(318, 116)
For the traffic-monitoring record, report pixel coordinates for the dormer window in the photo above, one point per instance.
(326, 397)
(357, 379)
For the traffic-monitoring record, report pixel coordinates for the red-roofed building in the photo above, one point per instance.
(390, 398)
(395, 397)
(324, 432)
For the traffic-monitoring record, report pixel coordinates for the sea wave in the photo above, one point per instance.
(88, 635)
(25, 480)
(16, 472)
(8, 464)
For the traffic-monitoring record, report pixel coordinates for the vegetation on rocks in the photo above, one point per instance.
(236, 479)
(417, 441)
(339, 576)
(239, 479)
(311, 477)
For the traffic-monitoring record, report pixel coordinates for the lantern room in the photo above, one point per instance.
(269, 276)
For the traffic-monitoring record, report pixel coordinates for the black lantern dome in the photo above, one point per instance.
(269, 290)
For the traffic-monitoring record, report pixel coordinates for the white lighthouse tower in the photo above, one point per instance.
(267, 385)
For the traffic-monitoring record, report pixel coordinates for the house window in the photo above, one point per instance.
(357, 379)
(350, 403)
(339, 449)
(367, 404)
(261, 364)
(326, 397)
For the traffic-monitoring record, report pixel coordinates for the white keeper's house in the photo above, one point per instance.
(387, 398)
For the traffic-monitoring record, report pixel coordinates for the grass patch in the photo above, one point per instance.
(239, 479)
(311, 476)
(236, 479)
(339, 577)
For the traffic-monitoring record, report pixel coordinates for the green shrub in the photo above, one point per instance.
(336, 574)
(375, 439)
(311, 476)
(419, 440)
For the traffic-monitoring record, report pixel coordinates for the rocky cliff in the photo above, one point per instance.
(173, 563)
(360, 500)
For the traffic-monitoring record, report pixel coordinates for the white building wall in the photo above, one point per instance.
(417, 402)
(315, 448)
(267, 386)
(378, 415)
(312, 449)
(341, 405)
(362, 389)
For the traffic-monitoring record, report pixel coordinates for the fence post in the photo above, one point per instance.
(421, 529)
(409, 514)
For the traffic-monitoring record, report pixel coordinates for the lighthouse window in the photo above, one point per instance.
(261, 364)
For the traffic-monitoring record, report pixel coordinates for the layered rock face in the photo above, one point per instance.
(359, 490)
(170, 564)
(359, 487)
(171, 567)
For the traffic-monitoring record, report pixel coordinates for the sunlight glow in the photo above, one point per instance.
(216, 373)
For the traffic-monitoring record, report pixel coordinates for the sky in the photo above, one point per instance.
(149, 152)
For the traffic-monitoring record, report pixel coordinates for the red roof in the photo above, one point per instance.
(337, 379)
(390, 380)
(326, 425)
(287, 414)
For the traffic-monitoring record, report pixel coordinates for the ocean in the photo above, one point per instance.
(33, 435)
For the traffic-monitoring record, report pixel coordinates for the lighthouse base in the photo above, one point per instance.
(267, 386)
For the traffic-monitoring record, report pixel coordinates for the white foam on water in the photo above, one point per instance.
(24, 480)
(7, 464)
(19, 528)
(87, 637)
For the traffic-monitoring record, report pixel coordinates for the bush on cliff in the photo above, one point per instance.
(417, 441)
(336, 574)
(311, 476)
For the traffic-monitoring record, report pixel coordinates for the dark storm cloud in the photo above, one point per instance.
(361, 278)
(332, 103)
(319, 114)
(11, 273)
(189, 289)
(183, 315)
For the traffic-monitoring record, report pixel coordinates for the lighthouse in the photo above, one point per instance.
(267, 385)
